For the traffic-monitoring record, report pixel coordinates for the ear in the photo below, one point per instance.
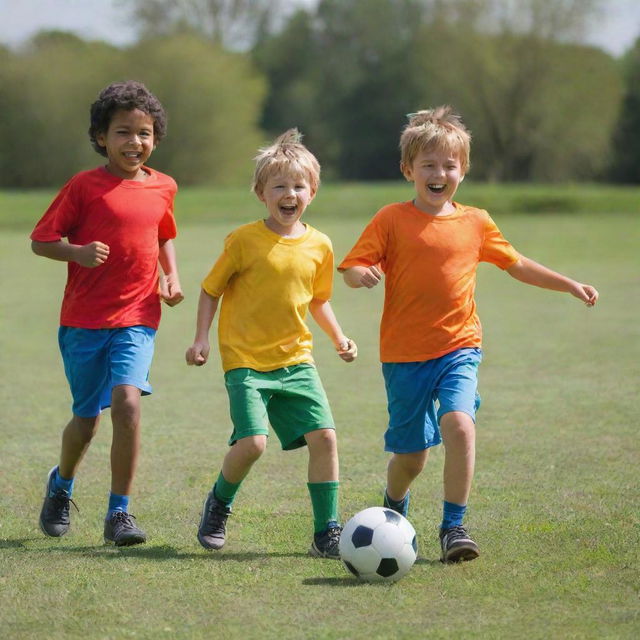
(406, 172)
(100, 139)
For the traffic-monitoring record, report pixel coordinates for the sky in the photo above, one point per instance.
(615, 31)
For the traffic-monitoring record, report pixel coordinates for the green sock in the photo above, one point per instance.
(225, 491)
(324, 501)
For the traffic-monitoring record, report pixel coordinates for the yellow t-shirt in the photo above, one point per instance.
(266, 283)
(430, 266)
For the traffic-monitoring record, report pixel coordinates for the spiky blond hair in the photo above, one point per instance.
(438, 128)
(285, 154)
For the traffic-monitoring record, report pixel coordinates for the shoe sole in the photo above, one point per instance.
(46, 493)
(127, 542)
(463, 553)
(316, 553)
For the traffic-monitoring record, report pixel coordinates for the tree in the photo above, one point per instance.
(539, 108)
(232, 24)
(213, 100)
(625, 165)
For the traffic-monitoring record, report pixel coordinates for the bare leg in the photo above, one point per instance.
(125, 446)
(402, 470)
(459, 437)
(241, 457)
(76, 439)
(323, 455)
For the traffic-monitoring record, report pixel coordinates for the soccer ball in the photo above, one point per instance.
(378, 544)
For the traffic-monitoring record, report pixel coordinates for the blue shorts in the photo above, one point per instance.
(96, 360)
(420, 393)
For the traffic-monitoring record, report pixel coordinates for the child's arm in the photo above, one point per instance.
(198, 352)
(323, 314)
(531, 272)
(356, 277)
(86, 255)
(170, 289)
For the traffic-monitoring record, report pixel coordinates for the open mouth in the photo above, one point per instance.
(436, 188)
(288, 210)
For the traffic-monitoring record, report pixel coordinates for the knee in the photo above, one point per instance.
(85, 428)
(125, 407)
(457, 426)
(322, 441)
(252, 447)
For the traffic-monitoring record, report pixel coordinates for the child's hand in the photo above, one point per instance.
(197, 354)
(585, 292)
(348, 350)
(92, 255)
(170, 289)
(357, 277)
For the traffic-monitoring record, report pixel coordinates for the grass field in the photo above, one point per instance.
(556, 498)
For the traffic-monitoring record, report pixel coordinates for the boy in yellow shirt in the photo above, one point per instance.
(269, 274)
(430, 334)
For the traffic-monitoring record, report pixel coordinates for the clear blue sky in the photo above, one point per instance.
(616, 30)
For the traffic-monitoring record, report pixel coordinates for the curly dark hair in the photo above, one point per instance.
(127, 95)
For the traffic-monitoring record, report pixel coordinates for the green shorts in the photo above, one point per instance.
(292, 399)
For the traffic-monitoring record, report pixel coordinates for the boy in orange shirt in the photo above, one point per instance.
(118, 223)
(430, 334)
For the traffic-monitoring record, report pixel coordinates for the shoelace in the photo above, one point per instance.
(62, 497)
(124, 518)
(455, 533)
(216, 517)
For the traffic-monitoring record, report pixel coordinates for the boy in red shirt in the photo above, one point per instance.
(118, 221)
(430, 334)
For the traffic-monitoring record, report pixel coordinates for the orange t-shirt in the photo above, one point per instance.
(129, 216)
(430, 266)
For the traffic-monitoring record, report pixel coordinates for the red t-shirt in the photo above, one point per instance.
(430, 266)
(131, 217)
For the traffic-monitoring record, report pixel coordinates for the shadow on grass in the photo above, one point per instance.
(159, 552)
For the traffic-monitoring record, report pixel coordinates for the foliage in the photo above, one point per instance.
(626, 137)
(212, 98)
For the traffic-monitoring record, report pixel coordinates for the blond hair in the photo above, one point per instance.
(285, 154)
(438, 128)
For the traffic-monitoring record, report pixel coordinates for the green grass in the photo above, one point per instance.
(555, 502)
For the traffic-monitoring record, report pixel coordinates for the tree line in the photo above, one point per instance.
(345, 72)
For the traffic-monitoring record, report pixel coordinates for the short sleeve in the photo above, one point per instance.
(167, 229)
(217, 279)
(495, 248)
(370, 249)
(323, 282)
(60, 218)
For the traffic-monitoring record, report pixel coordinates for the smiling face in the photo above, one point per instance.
(128, 141)
(436, 174)
(286, 196)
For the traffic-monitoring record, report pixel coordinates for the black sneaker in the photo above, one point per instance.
(119, 529)
(457, 545)
(213, 523)
(325, 544)
(54, 516)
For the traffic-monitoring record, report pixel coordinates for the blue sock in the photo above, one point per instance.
(400, 506)
(58, 482)
(452, 514)
(117, 503)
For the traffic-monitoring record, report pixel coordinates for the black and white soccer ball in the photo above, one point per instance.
(378, 544)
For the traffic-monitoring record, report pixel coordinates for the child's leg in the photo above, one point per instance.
(323, 472)
(323, 455)
(76, 439)
(459, 437)
(241, 457)
(125, 445)
(402, 470)
(323, 485)
(217, 506)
